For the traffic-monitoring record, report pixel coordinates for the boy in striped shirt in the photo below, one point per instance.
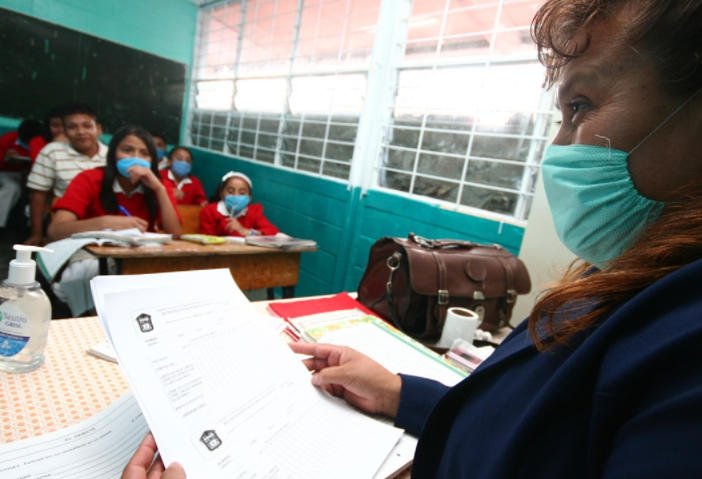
(58, 163)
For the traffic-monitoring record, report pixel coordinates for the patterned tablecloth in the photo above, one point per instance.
(70, 387)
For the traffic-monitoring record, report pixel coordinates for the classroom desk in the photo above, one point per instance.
(253, 267)
(70, 387)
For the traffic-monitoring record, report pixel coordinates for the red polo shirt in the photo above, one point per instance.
(8, 141)
(82, 198)
(214, 222)
(193, 192)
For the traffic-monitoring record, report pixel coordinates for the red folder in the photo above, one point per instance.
(305, 307)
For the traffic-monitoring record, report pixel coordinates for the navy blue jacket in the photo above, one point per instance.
(623, 401)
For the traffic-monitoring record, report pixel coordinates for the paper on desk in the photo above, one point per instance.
(222, 393)
(98, 447)
(394, 351)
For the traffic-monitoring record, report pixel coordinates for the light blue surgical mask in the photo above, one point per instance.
(236, 203)
(596, 209)
(160, 153)
(181, 168)
(597, 212)
(125, 163)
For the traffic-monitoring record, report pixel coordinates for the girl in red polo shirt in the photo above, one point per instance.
(234, 214)
(187, 189)
(127, 193)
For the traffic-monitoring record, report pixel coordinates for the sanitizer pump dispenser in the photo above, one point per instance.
(25, 315)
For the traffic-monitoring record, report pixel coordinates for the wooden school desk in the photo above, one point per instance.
(253, 267)
(69, 388)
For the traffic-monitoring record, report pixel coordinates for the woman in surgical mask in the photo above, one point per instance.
(187, 188)
(232, 213)
(127, 193)
(602, 380)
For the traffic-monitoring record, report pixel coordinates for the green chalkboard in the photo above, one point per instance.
(43, 65)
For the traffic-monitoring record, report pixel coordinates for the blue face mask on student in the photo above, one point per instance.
(597, 212)
(181, 168)
(160, 153)
(236, 203)
(125, 163)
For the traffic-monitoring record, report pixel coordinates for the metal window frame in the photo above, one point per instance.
(375, 124)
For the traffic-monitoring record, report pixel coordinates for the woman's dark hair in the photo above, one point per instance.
(108, 200)
(667, 32)
(55, 112)
(218, 192)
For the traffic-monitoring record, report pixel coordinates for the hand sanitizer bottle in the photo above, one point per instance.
(25, 315)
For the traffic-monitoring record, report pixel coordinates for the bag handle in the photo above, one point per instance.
(447, 244)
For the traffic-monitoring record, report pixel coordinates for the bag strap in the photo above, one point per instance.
(442, 293)
(393, 263)
(511, 297)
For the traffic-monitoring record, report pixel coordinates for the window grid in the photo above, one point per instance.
(312, 139)
(305, 129)
(516, 205)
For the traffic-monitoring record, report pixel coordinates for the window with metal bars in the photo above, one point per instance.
(464, 125)
(282, 81)
(469, 122)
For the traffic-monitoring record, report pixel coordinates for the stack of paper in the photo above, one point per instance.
(222, 394)
(281, 241)
(131, 236)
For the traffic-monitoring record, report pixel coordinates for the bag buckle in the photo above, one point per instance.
(511, 296)
(443, 297)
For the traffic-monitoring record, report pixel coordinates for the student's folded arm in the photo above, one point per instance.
(37, 204)
(170, 222)
(263, 225)
(65, 223)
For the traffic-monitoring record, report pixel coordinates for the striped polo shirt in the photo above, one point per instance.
(57, 164)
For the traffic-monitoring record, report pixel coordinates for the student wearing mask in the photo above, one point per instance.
(14, 144)
(234, 214)
(161, 147)
(58, 163)
(53, 131)
(601, 381)
(187, 189)
(126, 193)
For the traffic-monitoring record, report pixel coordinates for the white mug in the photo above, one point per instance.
(460, 323)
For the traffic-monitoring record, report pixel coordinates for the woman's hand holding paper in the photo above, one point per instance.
(347, 373)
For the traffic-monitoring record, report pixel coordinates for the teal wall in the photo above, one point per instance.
(160, 27)
(343, 223)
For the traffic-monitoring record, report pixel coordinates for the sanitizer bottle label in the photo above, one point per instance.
(14, 332)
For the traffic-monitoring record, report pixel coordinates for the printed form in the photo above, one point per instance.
(98, 448)
(223, 395)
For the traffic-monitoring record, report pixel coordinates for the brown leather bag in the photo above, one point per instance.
(412, 283)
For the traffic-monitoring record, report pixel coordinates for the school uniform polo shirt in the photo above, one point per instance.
(8, 141)
(215, 217)
(193, 192)
(83, 198)
(57, 165)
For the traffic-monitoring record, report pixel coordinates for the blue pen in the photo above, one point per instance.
(124, 210)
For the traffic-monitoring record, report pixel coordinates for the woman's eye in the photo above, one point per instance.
(577, 107)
